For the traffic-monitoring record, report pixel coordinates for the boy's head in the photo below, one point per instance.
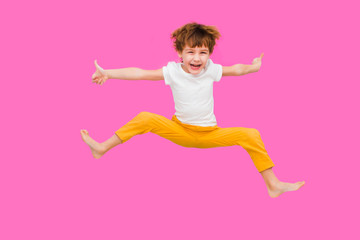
(194, 44)
(195, 35)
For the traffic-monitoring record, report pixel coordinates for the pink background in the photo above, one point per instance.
(304, 101)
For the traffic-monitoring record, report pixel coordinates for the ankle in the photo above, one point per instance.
(273, 184)
(102, 148)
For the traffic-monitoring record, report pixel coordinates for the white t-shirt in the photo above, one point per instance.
(193, 94)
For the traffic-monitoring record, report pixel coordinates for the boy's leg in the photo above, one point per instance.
(250, 140)
(144, 122)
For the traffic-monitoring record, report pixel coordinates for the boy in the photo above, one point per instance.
(194, 123)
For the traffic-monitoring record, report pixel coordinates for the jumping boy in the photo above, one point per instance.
(194, 123)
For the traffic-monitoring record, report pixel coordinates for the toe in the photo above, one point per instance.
(84, 132)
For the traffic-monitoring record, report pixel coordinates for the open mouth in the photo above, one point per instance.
(195, 66)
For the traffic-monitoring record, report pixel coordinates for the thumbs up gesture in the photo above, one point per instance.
(257, 61)
(100, 76)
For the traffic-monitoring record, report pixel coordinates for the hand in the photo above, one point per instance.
(100, 76)
(257, 61)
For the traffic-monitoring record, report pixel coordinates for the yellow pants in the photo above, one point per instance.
(198, 137)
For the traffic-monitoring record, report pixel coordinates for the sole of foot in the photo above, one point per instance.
(282, 187)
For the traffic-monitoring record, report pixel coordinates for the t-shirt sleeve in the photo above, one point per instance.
(167, 72)
(216, 71)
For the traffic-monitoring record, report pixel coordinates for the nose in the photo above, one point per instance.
(196, 57)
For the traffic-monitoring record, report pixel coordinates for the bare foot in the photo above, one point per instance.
(278, 188)
(97, 149)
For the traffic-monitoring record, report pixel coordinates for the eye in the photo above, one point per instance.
(204, 52)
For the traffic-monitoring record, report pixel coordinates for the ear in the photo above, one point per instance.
(179, 54)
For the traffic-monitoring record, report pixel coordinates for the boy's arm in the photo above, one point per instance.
(242, 69)
(135, 74)
(100, 76)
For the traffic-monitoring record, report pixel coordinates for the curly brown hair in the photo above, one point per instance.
(195, 35)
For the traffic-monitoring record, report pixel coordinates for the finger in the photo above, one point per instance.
(100, 69)
(97, 66)
(261, 56)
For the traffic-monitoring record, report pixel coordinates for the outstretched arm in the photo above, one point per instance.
(100, 76)
(242, 69)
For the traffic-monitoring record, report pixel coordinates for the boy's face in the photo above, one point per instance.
(194, 59)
